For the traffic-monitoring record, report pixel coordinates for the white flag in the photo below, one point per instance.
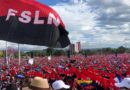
(31, 61)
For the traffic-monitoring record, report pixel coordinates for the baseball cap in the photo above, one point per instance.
(124, 83)
(59, 84)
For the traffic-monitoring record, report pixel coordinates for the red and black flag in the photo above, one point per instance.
(30, 22)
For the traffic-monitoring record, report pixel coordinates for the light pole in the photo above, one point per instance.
(6, 53)
(126, 42)
(19, 55)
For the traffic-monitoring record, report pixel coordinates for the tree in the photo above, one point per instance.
(49, 51)
(88, 52)
(59, 52)
(1, 53)
(107, 50)
(121, 49)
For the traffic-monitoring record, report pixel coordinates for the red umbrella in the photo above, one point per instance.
(30, 22)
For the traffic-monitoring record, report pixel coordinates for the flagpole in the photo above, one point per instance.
(6, 55)
(19, 53)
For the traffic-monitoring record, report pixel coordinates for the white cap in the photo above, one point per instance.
(116, 80)
(59, 84)
(124, 83)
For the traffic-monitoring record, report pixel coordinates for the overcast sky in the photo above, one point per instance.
(95, 23)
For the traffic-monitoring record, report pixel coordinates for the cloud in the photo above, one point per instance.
(126, 2)
(79, 19)
(23, 47)
(96, 23)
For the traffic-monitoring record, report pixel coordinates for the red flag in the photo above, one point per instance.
(30, 22)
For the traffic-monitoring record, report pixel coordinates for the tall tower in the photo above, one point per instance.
(77, 47)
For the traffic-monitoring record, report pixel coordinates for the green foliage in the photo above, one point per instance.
(2, 53)
(59, 52)
(121, 49)
(49, 51)
(88, 52)
(16, 55)
(39, 53)
(108, 50)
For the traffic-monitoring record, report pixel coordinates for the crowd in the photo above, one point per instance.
(97, 72)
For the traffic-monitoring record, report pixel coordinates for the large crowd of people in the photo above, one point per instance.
(96, 72)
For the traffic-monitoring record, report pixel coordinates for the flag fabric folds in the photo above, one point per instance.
(30, 22)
